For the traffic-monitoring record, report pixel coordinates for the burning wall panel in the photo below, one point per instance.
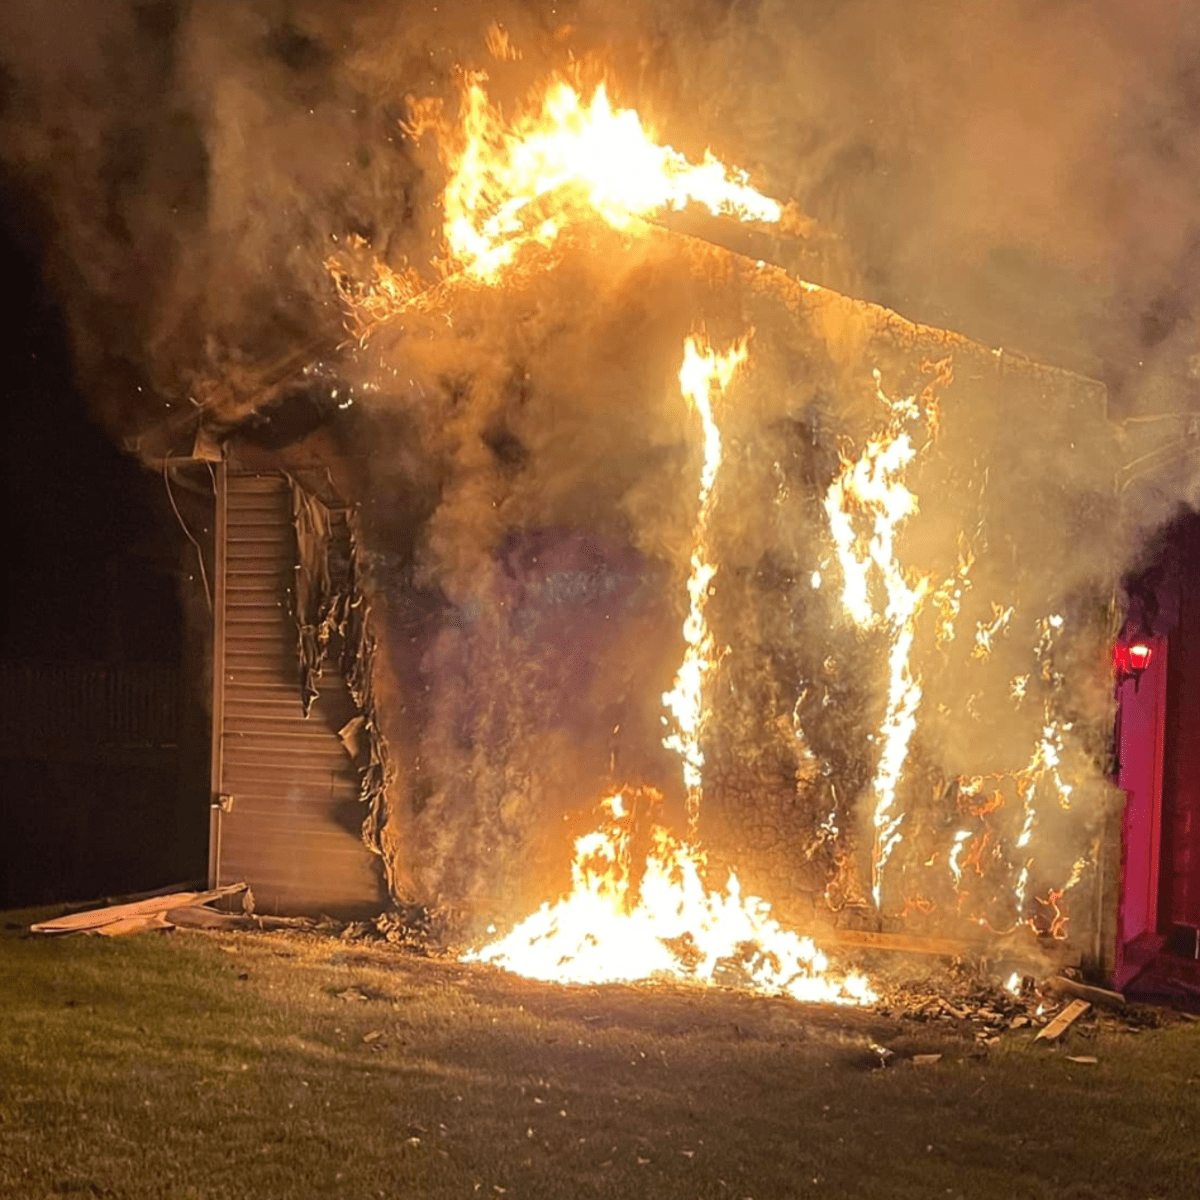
(290, 799)
(927, 747)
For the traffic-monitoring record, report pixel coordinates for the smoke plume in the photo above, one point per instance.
(1026, 174)
(1023, 172)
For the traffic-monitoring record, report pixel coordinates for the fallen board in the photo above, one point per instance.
(128, 918)
(1063, 1021)
(904, 943)
(1085, 991)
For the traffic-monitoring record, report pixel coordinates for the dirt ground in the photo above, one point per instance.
(262, 1065)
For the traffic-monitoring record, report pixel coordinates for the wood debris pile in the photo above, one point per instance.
(963, 998)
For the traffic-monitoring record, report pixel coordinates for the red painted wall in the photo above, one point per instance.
(1179, 598)
(1142, 727)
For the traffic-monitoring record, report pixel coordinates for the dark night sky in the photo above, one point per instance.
(90, 556)
(88, 560)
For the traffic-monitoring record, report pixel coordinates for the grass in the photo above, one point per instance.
(214, 1066)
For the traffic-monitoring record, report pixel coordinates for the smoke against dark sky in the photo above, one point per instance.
(1025, 172)
(1021, 172)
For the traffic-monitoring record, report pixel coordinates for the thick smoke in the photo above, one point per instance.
(1024, 172)
(549, 586)
(1027, 174)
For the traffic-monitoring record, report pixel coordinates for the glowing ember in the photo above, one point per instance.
(628, 918)
(956, 850)
(522, 182)
(1043, 765)
(368, 302)
(1052, 921)
(987, 631)
(949, 597)
(703, 374)
(500, 45)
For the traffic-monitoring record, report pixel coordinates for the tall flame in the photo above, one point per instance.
(866, 505)
(633, 914)
(704, 374)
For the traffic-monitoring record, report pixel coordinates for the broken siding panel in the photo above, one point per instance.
(292, 829)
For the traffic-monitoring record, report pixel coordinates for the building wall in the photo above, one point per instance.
(1164, 602)
(287, 818)
(1180, 875)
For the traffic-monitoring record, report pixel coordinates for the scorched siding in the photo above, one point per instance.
(288, 816)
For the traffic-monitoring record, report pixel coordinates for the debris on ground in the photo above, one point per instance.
(1063, 1022)
(972, 997)
(963, 994)
(150, 912)
(1086, 991)
(1182, 984)
(885, 1055)
(416, 928)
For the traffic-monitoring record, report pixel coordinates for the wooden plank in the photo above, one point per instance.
(901, 942)
(1063, 1021)
(1084, 991)
(1058, 957)
(127, 916)
(126, 925)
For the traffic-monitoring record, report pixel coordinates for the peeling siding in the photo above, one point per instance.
(290, 817)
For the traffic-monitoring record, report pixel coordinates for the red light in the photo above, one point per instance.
(1139, 656)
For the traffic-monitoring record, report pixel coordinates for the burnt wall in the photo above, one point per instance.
(536, 593)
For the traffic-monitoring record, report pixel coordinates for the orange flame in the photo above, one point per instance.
(513, 185)
(628, 918)
(518, 183)
(704, 373)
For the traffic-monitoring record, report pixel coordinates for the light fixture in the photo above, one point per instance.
(1130, 660)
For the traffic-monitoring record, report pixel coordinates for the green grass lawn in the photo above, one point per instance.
(203, 1065)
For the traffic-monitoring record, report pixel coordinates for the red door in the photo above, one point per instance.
(1143, 709)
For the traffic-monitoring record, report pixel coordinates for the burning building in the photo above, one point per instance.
(744, 587)
(625, 587)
